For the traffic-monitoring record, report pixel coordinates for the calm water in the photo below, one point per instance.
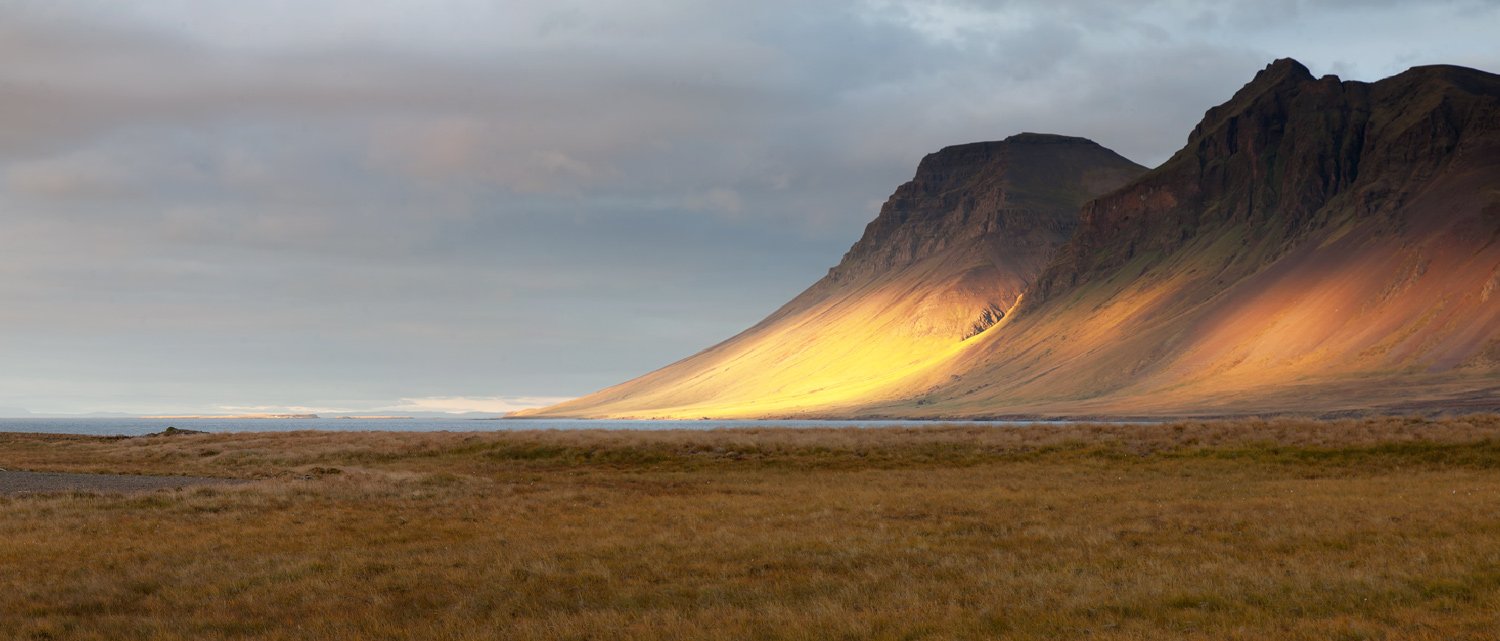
(138, 426)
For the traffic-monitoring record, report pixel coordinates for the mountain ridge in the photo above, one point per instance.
(1316, 246)
(1312, 230)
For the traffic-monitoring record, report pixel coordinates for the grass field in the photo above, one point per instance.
(1344, 530)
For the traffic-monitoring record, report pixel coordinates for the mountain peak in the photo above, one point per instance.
(1284, 68)
(1026, 141)
(1282, 76)
(1030, 138)
(1028, 181)
(1270, 87)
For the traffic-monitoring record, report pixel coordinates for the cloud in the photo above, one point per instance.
(487, 405)
(438, 404)
(84, 175)
(338, 199)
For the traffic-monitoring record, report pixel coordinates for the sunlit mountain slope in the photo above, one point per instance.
(950, 252)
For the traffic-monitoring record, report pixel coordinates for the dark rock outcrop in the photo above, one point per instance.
(987, 319)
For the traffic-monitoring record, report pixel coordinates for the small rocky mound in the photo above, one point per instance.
(987, 319)
(175, 431)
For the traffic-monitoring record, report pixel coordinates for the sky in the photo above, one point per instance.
(212, 206)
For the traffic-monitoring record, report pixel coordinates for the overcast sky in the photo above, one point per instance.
(362, 205)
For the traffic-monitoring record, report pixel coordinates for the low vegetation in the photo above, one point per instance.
(1356, 529)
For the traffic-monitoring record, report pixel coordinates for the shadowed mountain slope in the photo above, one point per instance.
(1317, 246)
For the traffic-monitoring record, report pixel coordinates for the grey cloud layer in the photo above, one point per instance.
(207, 205)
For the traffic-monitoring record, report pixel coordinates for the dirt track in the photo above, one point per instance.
(13, 482)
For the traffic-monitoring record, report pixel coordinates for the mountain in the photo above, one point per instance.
(948, 256)
(1317, 246)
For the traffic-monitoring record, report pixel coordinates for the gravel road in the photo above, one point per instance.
(14, 482)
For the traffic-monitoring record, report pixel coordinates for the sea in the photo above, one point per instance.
(139, 426)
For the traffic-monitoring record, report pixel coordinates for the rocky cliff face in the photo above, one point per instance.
(1276, 154)
(1016, 195)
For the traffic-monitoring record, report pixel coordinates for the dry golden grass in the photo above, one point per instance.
(1372, 529)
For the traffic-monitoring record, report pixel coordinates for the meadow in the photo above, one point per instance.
(1380, 528)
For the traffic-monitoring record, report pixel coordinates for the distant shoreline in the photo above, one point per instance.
(236, 416)
(277, 416)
